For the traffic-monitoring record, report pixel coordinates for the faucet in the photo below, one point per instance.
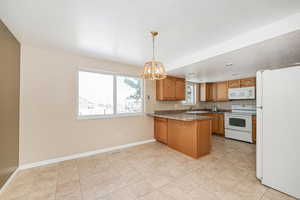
(215, 108)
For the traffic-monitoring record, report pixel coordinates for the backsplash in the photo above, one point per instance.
(171, 105)
(226, 105)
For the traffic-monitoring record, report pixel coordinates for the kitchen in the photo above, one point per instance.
(238, 123)
(104, 100)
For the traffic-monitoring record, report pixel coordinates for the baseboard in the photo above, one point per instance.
(80, 155)
(9, 180)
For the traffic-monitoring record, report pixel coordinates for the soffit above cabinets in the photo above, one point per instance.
(278, 52)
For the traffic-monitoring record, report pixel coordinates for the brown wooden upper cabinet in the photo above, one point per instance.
(222, 91)
(180, 89)
(248, 82)
(234, 83)
(214, 91)
(208, 92)
(170, 88)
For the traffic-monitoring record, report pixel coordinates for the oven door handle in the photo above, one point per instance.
(239, 116)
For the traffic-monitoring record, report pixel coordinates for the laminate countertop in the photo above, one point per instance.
(181, 116)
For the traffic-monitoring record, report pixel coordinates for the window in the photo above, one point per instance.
(190, 96)
(101, 94)
(129, 95)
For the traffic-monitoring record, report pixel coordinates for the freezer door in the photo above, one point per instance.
(281, 137)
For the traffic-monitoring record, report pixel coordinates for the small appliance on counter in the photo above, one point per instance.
(238, 123)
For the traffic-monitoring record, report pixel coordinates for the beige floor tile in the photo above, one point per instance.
(276, 195)
(15, 191)
(69, 196)
(23, 197)
(41, 194)
(202, 194)
(156, 195)
(67, 188)
(67, 174)
(158, 181)
(147, 172)
(141, 188)
(174, 191)
(250, 190)
(122, 193)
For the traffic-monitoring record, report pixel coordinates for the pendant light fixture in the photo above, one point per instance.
(154, 70)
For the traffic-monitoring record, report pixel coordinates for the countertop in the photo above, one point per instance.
(181, 116)
(191, 112)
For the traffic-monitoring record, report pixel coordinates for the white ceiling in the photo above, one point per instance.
(282, 51)
(118, 29)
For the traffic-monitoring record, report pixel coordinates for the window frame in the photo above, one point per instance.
(195, 94)
(115, 114)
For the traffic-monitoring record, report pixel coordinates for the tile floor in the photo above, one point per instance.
(148, 172)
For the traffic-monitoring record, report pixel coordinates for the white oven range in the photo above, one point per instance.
(238, 123)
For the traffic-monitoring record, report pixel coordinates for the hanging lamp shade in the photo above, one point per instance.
(154, 70)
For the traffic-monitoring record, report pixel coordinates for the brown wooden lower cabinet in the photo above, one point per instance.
(217, 122)
(192, 138)
(254, 129)
(161, 129)
(221, 130)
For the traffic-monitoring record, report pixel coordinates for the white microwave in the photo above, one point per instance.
(241, 93)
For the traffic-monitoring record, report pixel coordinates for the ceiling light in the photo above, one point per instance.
(154, 70)
(228, 65)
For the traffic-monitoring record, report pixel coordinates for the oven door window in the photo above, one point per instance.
(238, 122)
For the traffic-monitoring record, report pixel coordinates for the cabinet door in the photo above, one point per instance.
(215, 121)
(183, 136)
(211, 91)
(204, 137)
(222, 91)
(254, 129)
(169, 88)
(248, 82)
(166, 88)
(234, 83)
(221, 127)
(161, 130)
(180, 89)
(208, 92)
(203, 91)
(214, 91)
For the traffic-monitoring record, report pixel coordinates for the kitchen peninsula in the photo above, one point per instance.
(189, 134)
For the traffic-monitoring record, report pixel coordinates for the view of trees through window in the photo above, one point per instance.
(190, 93)
(98, 95)
(129, 95)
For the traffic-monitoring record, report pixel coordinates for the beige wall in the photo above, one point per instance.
(48, 125)
(9, 103)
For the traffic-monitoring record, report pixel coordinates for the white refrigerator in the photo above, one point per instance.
(278, 129)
